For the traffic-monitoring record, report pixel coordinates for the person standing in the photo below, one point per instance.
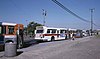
(73, 36)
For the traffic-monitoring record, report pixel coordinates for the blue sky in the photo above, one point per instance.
(18, 11)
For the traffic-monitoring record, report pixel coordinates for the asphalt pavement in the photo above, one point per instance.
(80, 48)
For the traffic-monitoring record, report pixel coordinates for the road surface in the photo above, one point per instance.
(82, 48)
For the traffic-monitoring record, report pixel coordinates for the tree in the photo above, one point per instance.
(32, 26)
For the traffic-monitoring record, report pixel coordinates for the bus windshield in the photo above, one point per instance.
(39, 31)
(11, 29)
(4, 31)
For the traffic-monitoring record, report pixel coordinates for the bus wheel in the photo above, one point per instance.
(52, 38)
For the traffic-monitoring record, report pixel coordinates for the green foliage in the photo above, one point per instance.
(31, 27)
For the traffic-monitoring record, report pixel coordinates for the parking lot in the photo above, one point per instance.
(80, 48)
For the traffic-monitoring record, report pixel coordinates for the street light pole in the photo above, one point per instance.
(26, 27)
(44, 16)
(91, 20)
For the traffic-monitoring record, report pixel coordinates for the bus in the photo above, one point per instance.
(50, 33)
(71, 32)
(11, 32)
(77, 33)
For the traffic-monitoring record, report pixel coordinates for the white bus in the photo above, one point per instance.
(50, 33)
(71, 32)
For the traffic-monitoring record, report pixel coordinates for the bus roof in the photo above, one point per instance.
(45, 27)
(72, 29)
(6, 23)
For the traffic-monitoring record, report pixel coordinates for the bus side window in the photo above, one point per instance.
(61, 31)
(4, 30)
(48, 30)
(53, 30)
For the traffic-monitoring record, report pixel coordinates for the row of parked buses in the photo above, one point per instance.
(50, 33)
(11, 32)
(14, 32)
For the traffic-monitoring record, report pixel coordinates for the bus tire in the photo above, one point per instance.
(52, 38)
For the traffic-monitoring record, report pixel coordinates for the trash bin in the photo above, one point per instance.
(10, 48)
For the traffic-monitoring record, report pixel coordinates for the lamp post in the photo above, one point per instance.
(44, 16)
(91, 10)
(26, 27)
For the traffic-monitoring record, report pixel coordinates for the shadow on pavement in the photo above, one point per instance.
(30, 42)
(19, 52)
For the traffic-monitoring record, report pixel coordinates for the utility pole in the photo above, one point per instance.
(44, 16)
(91, 10)
(26, 27)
